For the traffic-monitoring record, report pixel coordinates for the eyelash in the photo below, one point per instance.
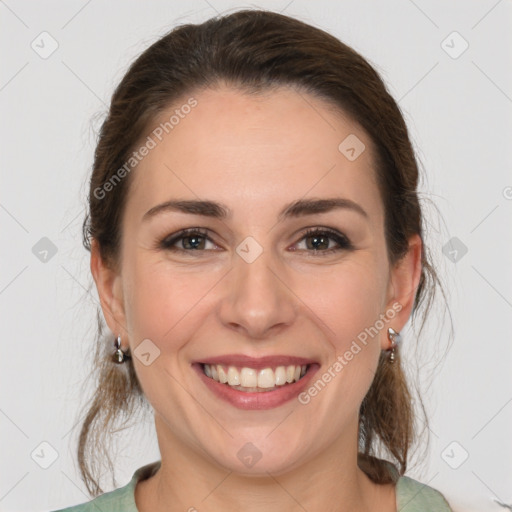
(342, 241)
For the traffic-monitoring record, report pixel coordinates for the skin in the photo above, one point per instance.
(255, 154)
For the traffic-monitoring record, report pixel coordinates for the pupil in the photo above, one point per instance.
(320, 240)
(193, 242)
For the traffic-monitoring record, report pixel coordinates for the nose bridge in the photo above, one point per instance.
(257, 300)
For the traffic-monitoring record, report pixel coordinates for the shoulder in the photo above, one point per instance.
(414, 496)
(119, 500)
(114, 501)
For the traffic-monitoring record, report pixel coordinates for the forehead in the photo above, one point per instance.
(254, 151)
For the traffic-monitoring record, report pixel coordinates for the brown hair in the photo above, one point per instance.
(255, 50)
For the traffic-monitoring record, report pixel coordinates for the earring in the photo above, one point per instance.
(395, 339)
(119, 356)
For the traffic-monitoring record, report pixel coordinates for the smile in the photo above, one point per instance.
(252, 380)
(256, 383)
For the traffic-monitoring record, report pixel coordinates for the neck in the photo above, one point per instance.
(190, 481)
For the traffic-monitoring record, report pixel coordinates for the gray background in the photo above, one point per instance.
(458, 107)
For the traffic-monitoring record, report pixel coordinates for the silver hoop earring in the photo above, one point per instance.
(119, 356)
(395, 339)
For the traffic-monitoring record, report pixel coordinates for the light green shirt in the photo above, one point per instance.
(411, 495)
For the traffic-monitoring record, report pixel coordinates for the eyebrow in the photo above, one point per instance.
(295, 209)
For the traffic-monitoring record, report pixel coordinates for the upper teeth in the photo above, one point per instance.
(249, 377)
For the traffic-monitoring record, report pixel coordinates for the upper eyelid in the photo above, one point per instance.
(183, 233)
(206, 233)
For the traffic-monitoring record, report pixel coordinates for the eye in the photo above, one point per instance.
(187, 240)
(319, 241)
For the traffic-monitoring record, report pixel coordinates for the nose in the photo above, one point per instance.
(257, 302)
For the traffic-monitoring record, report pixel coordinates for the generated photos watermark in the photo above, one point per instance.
(151, 142)
(342, 360)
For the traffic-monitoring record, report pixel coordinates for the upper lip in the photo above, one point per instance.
(257, 363)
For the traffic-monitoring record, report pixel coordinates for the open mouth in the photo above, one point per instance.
(251, 380)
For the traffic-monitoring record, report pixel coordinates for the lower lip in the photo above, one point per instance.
(257, 400)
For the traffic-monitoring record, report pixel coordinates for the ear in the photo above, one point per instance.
(109, 285)
(404, 280)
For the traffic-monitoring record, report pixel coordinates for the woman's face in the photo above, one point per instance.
(250, 172)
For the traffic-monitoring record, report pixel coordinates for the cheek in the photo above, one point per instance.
(349, 304)
(163, 307)
(348, 299)
(161, 304)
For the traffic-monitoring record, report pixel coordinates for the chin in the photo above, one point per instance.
(259, 457)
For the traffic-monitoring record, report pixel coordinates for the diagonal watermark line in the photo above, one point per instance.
(307, 191)
(83, 83)
(492, 81)
(503, 407)
(76, 14)
(13, 423)
(206, 2)
(492, 211)
(13, 13)
(428, 427)
(13, 279)
(14, 485)
(74, 483)
(91, 295)
(216, 487)
(504, 298)
(14, 218)
(301, 300)
(198, 402)
(197, 302)
(321, 116)
(485, 15)
(425, 14)
(322, 177)
(287, 5)
(416, 494)
(74, 426)
(77, 281)
(14, 76)
(493, 492)
(432, 432)
(280, 423)
(420, 80)
(185, 185)
(73, 220)
(286, 491)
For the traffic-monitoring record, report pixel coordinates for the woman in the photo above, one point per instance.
(256, 242)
